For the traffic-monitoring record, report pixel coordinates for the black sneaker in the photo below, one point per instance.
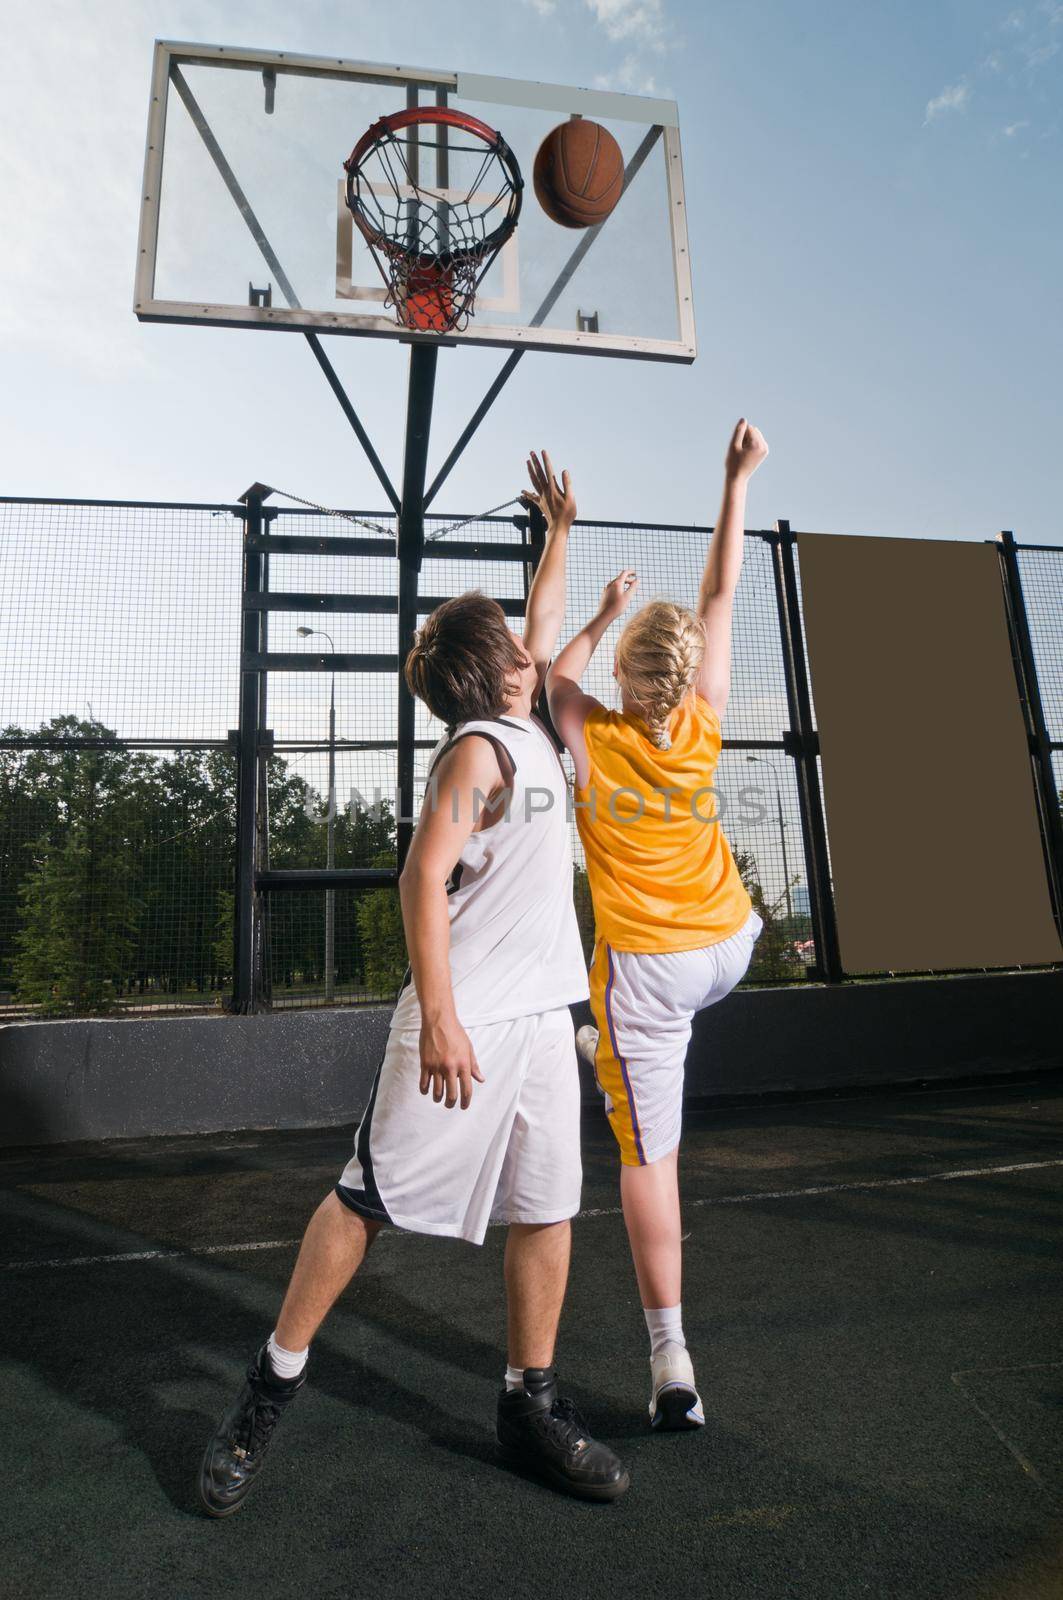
(548, 1436)
(235, 1454)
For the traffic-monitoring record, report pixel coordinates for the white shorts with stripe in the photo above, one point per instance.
(644, 1006)
(512, 1156)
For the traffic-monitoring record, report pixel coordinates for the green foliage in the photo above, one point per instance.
(117, 876)
(225, 923)
(369, 951)
(383, 943)
(117, 873)
(78, 926)
(774, 955)
(584, 912)
(77, 909)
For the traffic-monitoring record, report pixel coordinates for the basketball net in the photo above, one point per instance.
(431, 250)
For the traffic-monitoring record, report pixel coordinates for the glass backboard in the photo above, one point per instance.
(244, 221)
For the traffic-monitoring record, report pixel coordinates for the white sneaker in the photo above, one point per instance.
(587, 1043)
(675, 1402)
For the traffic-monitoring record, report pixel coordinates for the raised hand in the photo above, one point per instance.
(555, 500)
(617, 596)
(747, 449)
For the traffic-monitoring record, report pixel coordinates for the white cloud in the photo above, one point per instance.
(952, 98)
(1037, 54)
(630, 77)
(641, 22)
(545, 8)
(1015, 127)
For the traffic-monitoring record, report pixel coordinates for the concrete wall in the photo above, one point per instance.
(67, 1081)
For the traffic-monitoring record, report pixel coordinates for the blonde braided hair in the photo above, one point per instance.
(658, 657)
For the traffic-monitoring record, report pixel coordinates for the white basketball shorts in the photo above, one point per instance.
(644, 1007)
(512, 1156)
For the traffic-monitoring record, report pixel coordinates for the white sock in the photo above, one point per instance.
(665, 1327)
(514, 1379)
(287, 1364)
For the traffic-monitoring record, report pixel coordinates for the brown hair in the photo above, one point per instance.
(658, 657)
(463, 658)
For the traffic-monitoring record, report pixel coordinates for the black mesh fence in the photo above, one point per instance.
(1041, 571)
(119, 651)
(755, 784)
(119, 711)
(1041, 575)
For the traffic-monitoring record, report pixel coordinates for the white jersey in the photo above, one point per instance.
(514, 941)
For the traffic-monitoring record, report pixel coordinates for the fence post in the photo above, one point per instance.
(247, 797)
(1048, 808)
(803, 743)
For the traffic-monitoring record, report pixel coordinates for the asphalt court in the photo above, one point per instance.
(872, 1296)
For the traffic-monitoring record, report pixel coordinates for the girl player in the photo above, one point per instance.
(674, 924)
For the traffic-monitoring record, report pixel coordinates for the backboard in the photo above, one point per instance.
(244, 220)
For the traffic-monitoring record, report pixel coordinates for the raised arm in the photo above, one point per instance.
(569, 706)
(723, 564)
(545, 610)
(449, 815)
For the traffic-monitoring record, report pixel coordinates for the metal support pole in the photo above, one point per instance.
(803, 745)
(352, 417)
(1048, 805)
(330, 894)
(509, 366)
(264, 964)
(443, 174)
(244, 929)
(410, 546)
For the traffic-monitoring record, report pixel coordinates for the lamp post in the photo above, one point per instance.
(330, 894)
(763, 760)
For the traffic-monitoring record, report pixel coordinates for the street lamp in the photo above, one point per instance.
(330, 894)
(763, 760)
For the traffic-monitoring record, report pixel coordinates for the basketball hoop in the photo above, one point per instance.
(433, 246)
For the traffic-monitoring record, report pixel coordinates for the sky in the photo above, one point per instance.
(876, 233)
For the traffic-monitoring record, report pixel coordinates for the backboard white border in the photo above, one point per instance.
(549, 97)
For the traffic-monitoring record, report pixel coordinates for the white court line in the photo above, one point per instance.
(150, 1255)
(582, 1216)
(841, 1188)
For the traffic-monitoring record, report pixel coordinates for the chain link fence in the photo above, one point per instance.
(119, 746)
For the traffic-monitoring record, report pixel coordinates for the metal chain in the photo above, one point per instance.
(390, 533)
(328, 511)
(441, 533)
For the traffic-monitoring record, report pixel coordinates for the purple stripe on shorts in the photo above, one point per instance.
(623, 1064)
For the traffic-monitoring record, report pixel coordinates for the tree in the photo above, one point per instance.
(78, 911)
(383, 943)
(773, 953)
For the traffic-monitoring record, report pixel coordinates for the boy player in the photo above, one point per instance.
(474, 1114)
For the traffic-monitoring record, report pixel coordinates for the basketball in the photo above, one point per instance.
(579, 173)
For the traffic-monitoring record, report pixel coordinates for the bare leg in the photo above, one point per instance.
(650, 1197)
(536, 1274)
(333, 1248)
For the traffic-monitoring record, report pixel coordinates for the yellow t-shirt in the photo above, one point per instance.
(662, 876)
